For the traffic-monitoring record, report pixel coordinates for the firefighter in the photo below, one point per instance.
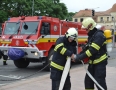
(97, 53)
(5, 57)
(65, 47)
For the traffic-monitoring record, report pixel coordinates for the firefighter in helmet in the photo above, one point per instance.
(97, 53)
(65, 47)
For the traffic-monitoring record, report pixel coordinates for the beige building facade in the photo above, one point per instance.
(106, 18)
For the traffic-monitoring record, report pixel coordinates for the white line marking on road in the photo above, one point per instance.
(12, 76)
(3, 84)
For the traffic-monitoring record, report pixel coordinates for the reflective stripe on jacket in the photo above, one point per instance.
(62, 49)
(102, 58)
(97, 47)
(56, 66)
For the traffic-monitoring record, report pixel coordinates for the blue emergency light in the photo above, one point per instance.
(8, 19)
(39, 17)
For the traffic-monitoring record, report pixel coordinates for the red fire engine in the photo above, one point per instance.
(36, 35)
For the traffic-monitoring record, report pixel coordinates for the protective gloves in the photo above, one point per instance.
(77, 58)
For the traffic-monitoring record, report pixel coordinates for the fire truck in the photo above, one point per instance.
(36, 36)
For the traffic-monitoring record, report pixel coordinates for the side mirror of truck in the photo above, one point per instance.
(25, 27)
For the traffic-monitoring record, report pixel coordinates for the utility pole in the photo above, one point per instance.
(114, 31)
(114, 20)
(32, 7)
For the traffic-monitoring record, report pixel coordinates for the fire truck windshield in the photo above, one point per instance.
(29, 27)
(11, 28)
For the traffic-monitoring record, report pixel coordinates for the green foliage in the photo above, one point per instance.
(70, 15)
(15, 8)
(3, 16)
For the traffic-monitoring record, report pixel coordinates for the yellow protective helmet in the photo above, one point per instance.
(71, 32)
(89, 23)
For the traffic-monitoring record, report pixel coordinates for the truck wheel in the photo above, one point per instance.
(21, 63)
(48, 60)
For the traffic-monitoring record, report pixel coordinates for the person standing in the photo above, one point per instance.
(65, 47)
(5, 57)
(97, 53)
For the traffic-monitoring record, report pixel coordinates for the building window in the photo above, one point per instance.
(76, 20)
(107, 18)
(112, 18)
(81, 19)
(101, 19)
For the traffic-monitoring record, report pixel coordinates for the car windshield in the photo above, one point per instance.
(11, 28)
(29, 27)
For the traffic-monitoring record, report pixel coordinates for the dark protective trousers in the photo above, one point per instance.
(98, 71)
(5, 57)
(56, 77)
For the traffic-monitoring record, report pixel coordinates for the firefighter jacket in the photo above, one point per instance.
(97, 47)
(63, 49)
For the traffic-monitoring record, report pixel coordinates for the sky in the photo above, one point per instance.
(97, 5)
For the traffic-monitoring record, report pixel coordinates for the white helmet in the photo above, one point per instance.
(71, 32)
(89, 23)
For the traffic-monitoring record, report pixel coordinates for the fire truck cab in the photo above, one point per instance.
(36, 36)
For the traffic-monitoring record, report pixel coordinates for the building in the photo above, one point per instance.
(106, 18)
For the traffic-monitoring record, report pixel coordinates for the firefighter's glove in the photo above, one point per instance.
(77, 58)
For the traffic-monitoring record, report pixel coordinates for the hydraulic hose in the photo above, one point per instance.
(88, 73)
(65, 73)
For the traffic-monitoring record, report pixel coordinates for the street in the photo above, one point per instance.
(10, 73)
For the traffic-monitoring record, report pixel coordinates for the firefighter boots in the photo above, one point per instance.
(4, 63)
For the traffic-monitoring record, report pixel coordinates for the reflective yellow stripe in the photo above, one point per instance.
(57, 66)
(95, 46)
(103, 57)
(63, 51)
(57, 46)
(88, 53)
(105, 42)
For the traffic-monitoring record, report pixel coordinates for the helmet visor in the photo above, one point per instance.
(72, 38)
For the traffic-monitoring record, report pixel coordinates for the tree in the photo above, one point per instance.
(3, 16)
(70, 15)
(15, 8)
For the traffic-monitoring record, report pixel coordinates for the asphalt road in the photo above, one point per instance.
(10, 73)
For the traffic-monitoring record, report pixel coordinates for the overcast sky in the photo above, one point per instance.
(98, 5)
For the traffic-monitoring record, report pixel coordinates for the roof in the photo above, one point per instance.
(104, 13)
(113, 8)
(88, 12)
(83, 13)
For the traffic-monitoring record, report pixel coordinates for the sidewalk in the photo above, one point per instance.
(77, 80)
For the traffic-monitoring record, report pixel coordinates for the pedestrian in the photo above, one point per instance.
(5, 57)
(97, 53)
(65, 47)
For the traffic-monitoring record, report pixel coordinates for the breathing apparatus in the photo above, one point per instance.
(108, 35)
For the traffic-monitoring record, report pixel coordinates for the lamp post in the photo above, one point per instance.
(114, 20)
